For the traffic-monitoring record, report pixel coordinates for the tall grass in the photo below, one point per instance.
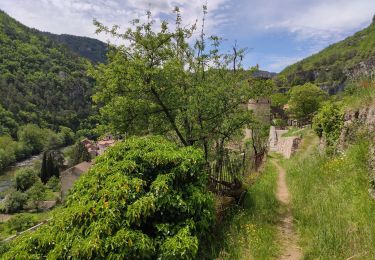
(334, 213)
(249, 232)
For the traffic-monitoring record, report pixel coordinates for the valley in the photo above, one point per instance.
(166, 145)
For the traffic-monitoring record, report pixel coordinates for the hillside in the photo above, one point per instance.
(338, 62)
(89, 48)
(41, 81)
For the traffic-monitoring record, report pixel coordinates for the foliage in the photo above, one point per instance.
(51, 163)
(66, 135)
(144, 198)
(14, 201)
(20, 222)
(24, 178)
(89, 48)
(7, 151)
(33, 137)
(80, 154)
(8, 125)
(36, 194)
(54, 184)
(329, 122)
(41, 81)
(328, 67)
(158, 82)
(32, 140)
(279, 99)
(305, 101)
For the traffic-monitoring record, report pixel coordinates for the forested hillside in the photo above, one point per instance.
(89, 48)
(335, 64)
(41, 81)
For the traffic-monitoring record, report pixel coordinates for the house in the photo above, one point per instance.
(69, 176)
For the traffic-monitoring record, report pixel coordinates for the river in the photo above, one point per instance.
(7, 175)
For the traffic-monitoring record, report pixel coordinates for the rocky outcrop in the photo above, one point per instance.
(363, 69)
(361, 122)
(357, 122)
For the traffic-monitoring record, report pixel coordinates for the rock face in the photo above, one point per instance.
(286, 146)
(364, 68)
(361, 122)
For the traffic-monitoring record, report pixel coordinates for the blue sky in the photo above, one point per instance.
(277, 32)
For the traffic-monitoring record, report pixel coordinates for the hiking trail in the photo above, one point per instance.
(287, 235)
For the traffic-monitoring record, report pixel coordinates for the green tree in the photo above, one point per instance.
(278, 100)
(14, 201)
(328, 123)
(145, 198)
(32, 136)
(305, 101)
(36, 194)
(8, 124)
(66, 135)
(161, 84)
(80, 154)
(8, 149)
(25, 178)
(52, 162)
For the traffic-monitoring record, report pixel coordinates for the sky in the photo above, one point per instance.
(277, 33)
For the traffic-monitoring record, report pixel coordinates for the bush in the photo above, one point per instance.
(36, 194)
(54, 184)
(20, 222)
(145, 198)
(328, 123)
(14, 201)
(25, 178)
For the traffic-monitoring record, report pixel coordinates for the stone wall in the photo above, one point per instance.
(283, 145)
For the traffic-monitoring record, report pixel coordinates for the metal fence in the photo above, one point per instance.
(235, 165)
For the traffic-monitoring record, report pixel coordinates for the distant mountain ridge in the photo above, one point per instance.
(331, 67)
(86, 47)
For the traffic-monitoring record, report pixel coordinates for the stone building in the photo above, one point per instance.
(261, 108)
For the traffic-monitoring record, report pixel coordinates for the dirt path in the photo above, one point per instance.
(287, 236)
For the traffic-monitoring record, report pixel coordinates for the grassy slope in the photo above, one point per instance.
(341, 55)
(251, 231)
(333, 211)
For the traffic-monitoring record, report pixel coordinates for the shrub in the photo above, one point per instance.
(329, 122)
(53, 184)
(14, 201)
(36, 194)
(20, 222)
(25, 178)
(145, 198)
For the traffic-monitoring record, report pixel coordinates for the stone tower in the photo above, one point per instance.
(261, 108)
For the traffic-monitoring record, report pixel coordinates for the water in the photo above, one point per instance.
(7, 176)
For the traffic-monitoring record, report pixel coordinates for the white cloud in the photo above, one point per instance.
(326, 20)
(75, 16)
(277, 63)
